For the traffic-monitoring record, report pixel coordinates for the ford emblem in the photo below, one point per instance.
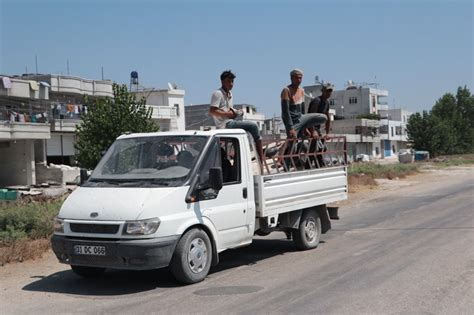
(94, 214)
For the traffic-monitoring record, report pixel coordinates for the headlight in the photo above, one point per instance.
(141, 227)
(58, 225)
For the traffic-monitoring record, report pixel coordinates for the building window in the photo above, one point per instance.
(391, 129)
(398, 130)
(377, 151)
(332, 102)
(373, 101)
(352, 100)
(177, 109)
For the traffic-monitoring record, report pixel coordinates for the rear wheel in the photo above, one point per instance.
(308, 234)
(192, 257)
(87, 272)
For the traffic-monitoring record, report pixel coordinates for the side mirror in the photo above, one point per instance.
(215, 178)
(83, 176)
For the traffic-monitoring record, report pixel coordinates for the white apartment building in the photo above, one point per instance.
(67, 104)
(24, 128)
(376, 138)
(353, 101)
(167, 105)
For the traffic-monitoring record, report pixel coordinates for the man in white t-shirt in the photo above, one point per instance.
(224, 114)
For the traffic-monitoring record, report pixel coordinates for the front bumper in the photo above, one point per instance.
(120, 254)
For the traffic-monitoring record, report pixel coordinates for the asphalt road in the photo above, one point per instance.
(407, 247)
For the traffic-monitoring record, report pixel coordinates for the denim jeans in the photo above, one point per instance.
(249, 126)
(307, 121)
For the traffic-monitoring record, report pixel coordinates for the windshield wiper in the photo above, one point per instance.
(105, 181)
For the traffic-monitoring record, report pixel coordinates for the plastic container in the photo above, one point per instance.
(11, 195)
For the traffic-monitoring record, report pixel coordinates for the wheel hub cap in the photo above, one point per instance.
(310, 230)
(197, 255)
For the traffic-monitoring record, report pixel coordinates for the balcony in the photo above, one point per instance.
(25, 89)
(65, 84)
(23, 130)
(65, 125)
(254, 117)
(163, 112)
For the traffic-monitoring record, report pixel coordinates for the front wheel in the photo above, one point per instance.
(192, 257)
(308, 234)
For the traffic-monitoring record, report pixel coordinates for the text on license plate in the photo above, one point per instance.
(89, 250)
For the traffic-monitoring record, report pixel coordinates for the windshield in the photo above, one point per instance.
(162, 160)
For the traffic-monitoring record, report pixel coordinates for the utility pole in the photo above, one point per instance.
(36, 63)
(67, 66)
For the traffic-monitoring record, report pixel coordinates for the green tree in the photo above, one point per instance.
(448, 128)
(106, 120)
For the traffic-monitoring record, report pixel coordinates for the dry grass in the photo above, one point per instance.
(22, 250)
(358, 182)
(25, 228)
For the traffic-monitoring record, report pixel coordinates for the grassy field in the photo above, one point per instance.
(453, 160)
(390, 171)
(25, 228)
(364, 174)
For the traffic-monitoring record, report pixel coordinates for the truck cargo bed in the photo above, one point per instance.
(284, 192)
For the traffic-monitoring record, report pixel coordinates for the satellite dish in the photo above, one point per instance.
(170, 86)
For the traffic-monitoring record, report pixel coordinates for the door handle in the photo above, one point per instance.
(244, 192)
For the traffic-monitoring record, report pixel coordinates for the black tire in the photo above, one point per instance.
(308, 234)
(262, 233)
(87, 272)
(192, 257)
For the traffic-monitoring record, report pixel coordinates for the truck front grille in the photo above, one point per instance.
(94, 228)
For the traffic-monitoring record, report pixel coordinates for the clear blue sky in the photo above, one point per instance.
(418, 50)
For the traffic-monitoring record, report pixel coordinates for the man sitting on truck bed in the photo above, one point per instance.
(293, 109)
(224, 114)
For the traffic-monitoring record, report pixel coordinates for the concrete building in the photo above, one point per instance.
(24, 128)
(167, 105)
(381, 138)
(393, 131)
(250, 114)
(198, 118)
(362, 136)
(354, 100)
(66, 98)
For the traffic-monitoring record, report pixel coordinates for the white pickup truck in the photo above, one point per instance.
(179, 199)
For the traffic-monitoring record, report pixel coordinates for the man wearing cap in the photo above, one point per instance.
(224, 114)
(293, 109)
(320, 105)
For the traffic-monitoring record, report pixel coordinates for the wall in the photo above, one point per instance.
(17, 163)
(197, 116)
(53, 145)
(63, 175)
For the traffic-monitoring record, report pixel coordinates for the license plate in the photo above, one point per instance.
(89, 250)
